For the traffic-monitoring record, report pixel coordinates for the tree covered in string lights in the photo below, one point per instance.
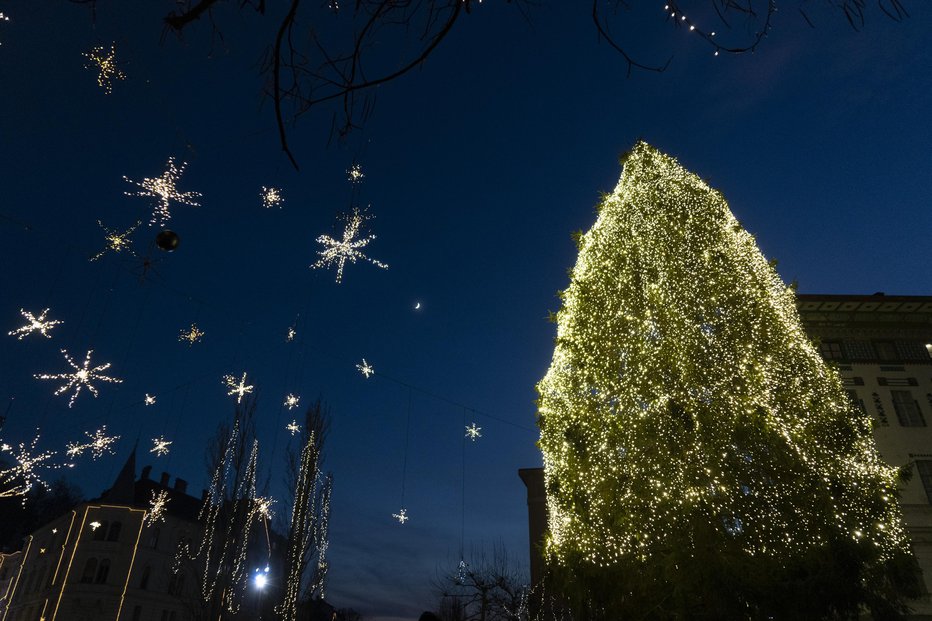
(701, 460)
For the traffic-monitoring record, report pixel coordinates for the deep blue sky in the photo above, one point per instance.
(478, 167)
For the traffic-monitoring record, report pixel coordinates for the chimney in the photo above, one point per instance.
(144, 475)
(164, 480)
(181, 485)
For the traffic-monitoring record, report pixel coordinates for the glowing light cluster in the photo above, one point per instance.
(160, 446)
(107, 69)
(472, 432)
(401, 516)
(149, 399)
(157, 507)
(38, 324)
(192, 335)
(293, 427)
(272, 197)
(683, 391)
(116, 242)
(82, 376)
(291, 401)
(365, 368)
(338, 252)
(354, 174)
(238, 388)
(99, 444)
(165, 189)
(19, 478)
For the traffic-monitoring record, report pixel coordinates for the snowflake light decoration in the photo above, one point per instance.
(157, 506)
(164, 188)
(272, 197)
(292, 332)
(338, 252)
(18, 479)
(149, 399)
(36, 324)
(472, 432)
(237, 388)
(291, 401)
(192, 335)
(355, 174)
(401, 516)
(106, 64)
(365, 368)
(117, 242)
(82, 376)
(99, 444)
(293, 427)
(94, 525)
(160, 446)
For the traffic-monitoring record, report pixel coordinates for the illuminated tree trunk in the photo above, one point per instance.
(701, 460)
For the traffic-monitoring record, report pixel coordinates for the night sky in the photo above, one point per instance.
(478, 167)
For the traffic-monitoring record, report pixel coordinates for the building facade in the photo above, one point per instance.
(882, 348)
(106, 559)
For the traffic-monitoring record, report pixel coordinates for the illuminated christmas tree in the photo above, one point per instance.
(701, 460)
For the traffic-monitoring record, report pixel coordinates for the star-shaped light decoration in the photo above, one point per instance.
(94, 525)
(99, 444)
(18, 479)
(106, 65)
(272, 197)
(82, 376)
(365, 368)
(264, 506)
(355, 174)
(164, 189)
(149, 399)
(117, 242)
(292, 332)
(237, 388)
(157, 505)
(36, 324)
(192, 335)
(472, 432)
(401, 516)
(293, 427)
(160, 446)
(291, 401)
(338, 252)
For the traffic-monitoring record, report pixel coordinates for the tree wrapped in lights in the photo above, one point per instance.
(701, 460)
(308, 531)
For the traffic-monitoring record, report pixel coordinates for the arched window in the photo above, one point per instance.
(102, 571)
(154, 538)
(144, 581)
(114, 533)
(90, 568)
(176, 584)
(137, 613)
(100, 533)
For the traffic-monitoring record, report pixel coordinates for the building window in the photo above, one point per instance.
(831, 350)
(164, 615)
(114, 532)
(176, 584)
(907, 409)
(886, 350)
(90, 569)
(102, 571)
(101, 532)
(929, 349)
(855, 401)
(144, 581)
(154, 538)
(924, 468)
(137, 613)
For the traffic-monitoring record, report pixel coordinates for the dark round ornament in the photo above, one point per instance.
(167, 240)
